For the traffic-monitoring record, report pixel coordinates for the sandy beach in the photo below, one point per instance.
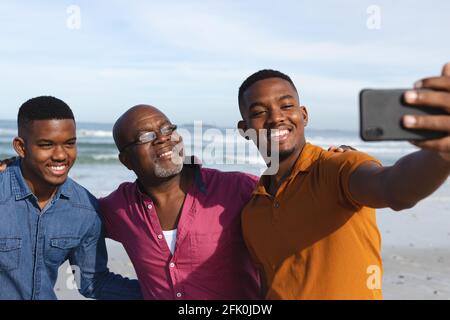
(410, 273)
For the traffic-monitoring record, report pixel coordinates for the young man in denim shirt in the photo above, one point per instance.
(46, 217)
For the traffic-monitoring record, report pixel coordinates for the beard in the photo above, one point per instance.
(162, 172)
(176, 165)
(284, 154)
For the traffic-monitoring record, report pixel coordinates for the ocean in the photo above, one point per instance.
(96, 146)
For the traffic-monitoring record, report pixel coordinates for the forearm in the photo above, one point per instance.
(413, 178)
(110, 286)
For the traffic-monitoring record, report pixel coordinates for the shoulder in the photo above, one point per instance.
(335, 169)
(4, 176)
(117, 196)
(237, 186)
(337, 160)
(231, 177)
(81, 197)
(5, 184)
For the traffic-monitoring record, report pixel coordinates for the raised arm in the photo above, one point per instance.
(401, 186)
(416, 175)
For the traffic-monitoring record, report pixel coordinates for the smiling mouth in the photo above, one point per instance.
(279, 134)
(165, 155)
(58, 170)
(168, 154)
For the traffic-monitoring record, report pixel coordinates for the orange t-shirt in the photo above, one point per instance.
(312, 240)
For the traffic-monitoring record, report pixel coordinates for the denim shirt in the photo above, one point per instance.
(35, 242)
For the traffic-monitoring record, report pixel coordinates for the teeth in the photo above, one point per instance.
(165, 154)
(58, 168)
(278, 133)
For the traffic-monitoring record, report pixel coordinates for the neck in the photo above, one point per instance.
(285, 168)
(43, 191)
(163, 189)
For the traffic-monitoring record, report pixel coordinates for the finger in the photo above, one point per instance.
(429, 99)
(436, 83)
(2, 167)
(446, 70)
(440, 145)
(435, 123)
(332, 148)
(340, 150)
(346, 148)
(10, 161)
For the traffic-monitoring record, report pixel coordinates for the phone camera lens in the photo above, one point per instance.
(374, 132)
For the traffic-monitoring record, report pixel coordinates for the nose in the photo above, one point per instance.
(59, 154)
(275, 116)
(161, 138)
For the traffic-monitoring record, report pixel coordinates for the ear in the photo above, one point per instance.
(305, 116)
(242, 127)
(124, 160)
(19, 146)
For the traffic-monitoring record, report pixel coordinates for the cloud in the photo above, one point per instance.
(200, 30)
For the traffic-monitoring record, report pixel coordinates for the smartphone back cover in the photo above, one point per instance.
(381, 113)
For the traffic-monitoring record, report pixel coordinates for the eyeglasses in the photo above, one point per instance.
(149, 136)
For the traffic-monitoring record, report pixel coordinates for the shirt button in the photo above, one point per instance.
(150, 206)
(276, 205)
(172, 265)
(160, 236)
(179, 294)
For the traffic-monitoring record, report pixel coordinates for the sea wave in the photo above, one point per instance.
(8, 132)
(84, 133)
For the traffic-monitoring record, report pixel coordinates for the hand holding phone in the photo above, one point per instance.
(429, 94)
(382, 112)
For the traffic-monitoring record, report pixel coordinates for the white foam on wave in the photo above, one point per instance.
(8, 132)
(94, 133)
(100, 157)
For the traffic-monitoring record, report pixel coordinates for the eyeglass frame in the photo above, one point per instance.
(138, 141)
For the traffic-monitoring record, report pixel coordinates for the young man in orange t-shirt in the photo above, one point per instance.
(311, 226)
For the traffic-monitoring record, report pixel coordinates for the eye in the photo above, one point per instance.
(256, 114)
(168, 129)
(288, 106)
(147, 137)
(45, 145)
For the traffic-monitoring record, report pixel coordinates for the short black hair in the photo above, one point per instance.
(262, 75)
(43, 108)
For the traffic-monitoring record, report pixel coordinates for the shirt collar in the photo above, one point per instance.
(21, 189)
(304, 162)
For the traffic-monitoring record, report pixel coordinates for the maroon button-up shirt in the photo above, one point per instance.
(210, 259)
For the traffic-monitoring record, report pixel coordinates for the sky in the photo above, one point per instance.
(188, 58)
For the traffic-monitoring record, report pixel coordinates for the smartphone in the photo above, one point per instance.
(381, 113)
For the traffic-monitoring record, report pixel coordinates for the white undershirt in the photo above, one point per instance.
(171, 239)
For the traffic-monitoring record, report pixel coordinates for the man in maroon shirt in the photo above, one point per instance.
(179, 223)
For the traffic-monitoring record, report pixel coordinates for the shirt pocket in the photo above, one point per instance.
(59, 249)
(10, 253)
